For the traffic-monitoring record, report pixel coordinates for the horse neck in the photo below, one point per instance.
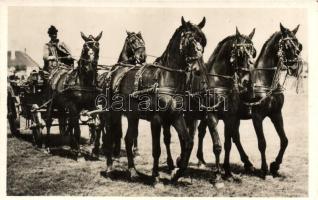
(172, 59)
(268, 57)
(86, 78)
(220, 65)
(124, 54)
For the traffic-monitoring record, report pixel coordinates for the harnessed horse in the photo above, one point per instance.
(75, 89)
(156, 85)
(133, 53)
(215, 93)
(279, 53)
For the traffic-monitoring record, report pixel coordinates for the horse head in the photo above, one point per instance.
(89, 56)
(192, 43)
(134, 49)
(289, 49)
(242, 57)
(232, 60)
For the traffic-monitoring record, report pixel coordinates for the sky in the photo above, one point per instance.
(27, 27)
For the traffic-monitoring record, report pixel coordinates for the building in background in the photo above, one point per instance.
(22, 62)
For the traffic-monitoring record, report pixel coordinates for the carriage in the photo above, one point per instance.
(29, 99)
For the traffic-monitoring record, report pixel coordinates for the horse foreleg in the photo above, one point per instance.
(135, 145)
(96, 140)
(202, 131)
(258, 126)
(278, 122)
(130, 136)
(117, 137)
(108, 140)
(227, 147)
(237, 141)
(212, 122)
(167, 141)
(186, 144)
(156, 150)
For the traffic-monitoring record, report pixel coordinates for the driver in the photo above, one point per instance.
(55, 52)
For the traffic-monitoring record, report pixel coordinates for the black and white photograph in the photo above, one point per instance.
(145, 100)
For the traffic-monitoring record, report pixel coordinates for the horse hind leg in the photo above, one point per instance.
(135, 145)
(249, 168)
(278, 122)
(130, 136)
(217, 148)
(258, 126)
(167, 141)
(156, 150)
(118, 135)
(201, 134)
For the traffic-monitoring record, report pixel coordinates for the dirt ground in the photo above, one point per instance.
(33, 172)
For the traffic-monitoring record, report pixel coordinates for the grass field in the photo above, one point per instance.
(33, 172)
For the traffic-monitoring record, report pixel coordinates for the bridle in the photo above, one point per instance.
(243, 48)
(224, 91)
(283, 65)
(187, 39)
(134, 42)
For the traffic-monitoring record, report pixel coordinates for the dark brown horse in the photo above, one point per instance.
(216, 92)
(133, 53)
(75, 89)
(155, 99)
(279, 53)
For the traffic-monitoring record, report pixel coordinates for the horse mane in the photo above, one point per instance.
(123, 54)
(270, 39)
(171, 41)
(191, 27)
(217, 49)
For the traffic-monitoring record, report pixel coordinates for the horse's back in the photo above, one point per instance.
(127, 79)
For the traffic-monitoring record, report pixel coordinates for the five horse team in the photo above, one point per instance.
(178, 90)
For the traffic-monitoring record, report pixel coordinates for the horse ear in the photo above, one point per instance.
(139, 35)
(84, 37)
(295, 30)
(237, 32)
(128, 33)
(183, 21)
(251, 34)
(202, 23)
(282, 28)
(97, 38)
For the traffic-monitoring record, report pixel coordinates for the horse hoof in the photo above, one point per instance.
(249, 168)
(108, 171)
(175, 175)
(47, 150)
(202, 165)
(133, 174)
(234, 179)
(157, 184)
(217, 181)
(274, 167)
(95, 153)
